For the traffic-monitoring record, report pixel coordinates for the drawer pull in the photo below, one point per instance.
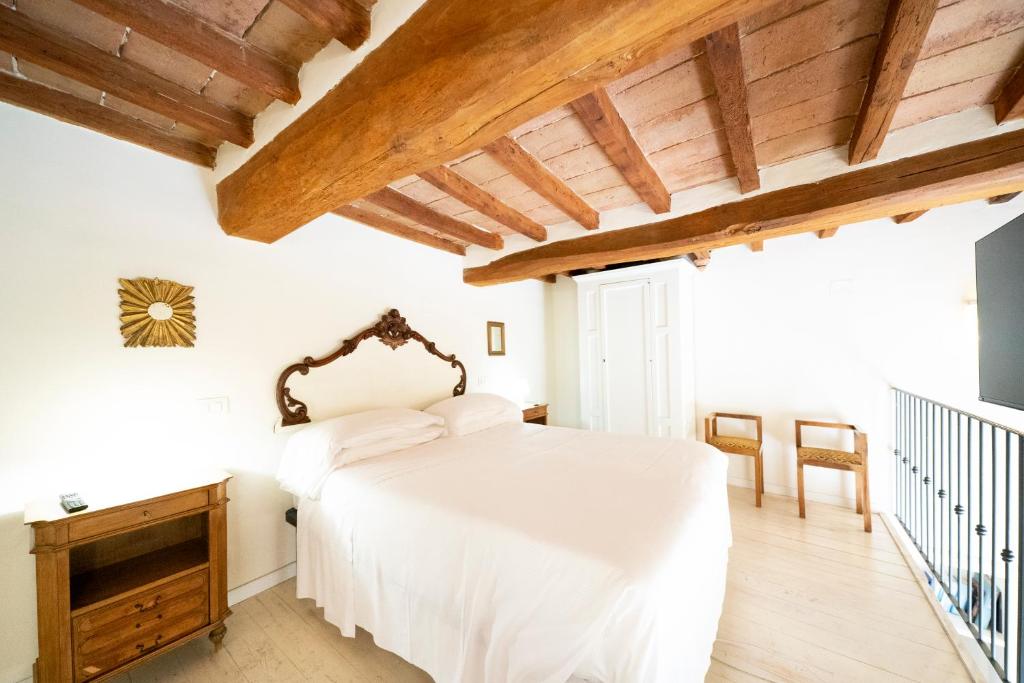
(141, 647)
(145, 513)
(145, 607)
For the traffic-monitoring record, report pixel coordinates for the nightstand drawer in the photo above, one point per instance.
(135, 644)
(141, 604)
(118, 520)
(536, 414)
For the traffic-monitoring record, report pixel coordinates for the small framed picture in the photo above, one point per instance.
(495, 339)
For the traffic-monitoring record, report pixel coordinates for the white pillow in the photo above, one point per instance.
(314, 452)
(351, 455)
(474, 412)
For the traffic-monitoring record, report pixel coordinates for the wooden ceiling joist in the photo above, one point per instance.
(908, 217)
(447, 180)
(602, 119)
(393, 200)
(726, 61)
(906, 26)
(455, 76)
(1010, 103)
(393, 227)
(346, 20)
(75, 110)
(975, 170)
(1003, 198)
(80, 61)
(185, 32)
(538, 178)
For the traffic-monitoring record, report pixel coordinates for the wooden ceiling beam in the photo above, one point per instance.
(726, 60)
(975, 170)
(80, 61)
(393, 200)
(602, 119)
(908, 217)
(393, 227)
(538, 178)
(346, 20)
(455, 76)
(79, 112)
(191, 35)
(447, 180)
(1010, 103)
(1003, 198)
(906, 26)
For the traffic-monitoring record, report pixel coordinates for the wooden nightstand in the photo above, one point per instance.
(537, 414)
(131, 577)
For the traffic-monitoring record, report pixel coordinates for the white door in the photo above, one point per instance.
(624, 328)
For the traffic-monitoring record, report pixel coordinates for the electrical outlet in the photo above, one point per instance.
(214, 406)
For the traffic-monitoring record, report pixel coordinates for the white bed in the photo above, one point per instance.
(527, 554)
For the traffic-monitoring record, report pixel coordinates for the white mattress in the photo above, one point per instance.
(527, 554)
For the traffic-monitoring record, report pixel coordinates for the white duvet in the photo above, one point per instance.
(527, 554)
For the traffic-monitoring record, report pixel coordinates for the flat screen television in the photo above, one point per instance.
(999, 263)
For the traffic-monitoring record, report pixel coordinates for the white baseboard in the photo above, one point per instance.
(247, 590)
(966, 646)
(791, 492)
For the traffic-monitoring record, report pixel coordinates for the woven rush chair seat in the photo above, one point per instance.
(833, 458)
(829, 455)
(739, 445)
(736, 443)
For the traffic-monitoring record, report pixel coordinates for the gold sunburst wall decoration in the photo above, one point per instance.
(157, 312)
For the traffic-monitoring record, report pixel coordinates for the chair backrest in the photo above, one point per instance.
(711, 423)
(860, 439)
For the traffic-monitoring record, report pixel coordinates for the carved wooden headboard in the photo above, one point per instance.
(391, 329)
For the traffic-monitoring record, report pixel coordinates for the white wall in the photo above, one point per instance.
(820, 329)
(79, 210)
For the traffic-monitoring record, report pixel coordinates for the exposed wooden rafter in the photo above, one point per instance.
(447, 180)
(908, 217)
(76, 59)
(346, 20)
(393, 227)
(1010, 103)
(455, 76)
(726, 60)
(1003, 198)
(179, 29)
(393, 200)
(79, 112)
(602, 119)
(906, 26)
(538, 178)
(975, 170)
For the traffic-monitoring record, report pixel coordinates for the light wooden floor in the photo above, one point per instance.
(807, 600)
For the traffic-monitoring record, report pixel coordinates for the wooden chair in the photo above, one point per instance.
(739, 446)
(856, 462)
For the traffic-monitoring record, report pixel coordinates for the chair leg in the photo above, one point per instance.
(760, 456)
(800, 487)
(867, 502)
(758, 478)
(859, 485)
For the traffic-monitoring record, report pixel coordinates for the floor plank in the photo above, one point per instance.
(813, 599)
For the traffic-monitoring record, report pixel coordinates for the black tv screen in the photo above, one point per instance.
(999, 261)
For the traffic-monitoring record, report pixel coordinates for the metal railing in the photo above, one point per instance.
(958, 488)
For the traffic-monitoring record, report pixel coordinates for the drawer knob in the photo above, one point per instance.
(145, 607)
(145, 513)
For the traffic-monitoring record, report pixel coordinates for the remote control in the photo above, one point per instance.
(71, 502)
